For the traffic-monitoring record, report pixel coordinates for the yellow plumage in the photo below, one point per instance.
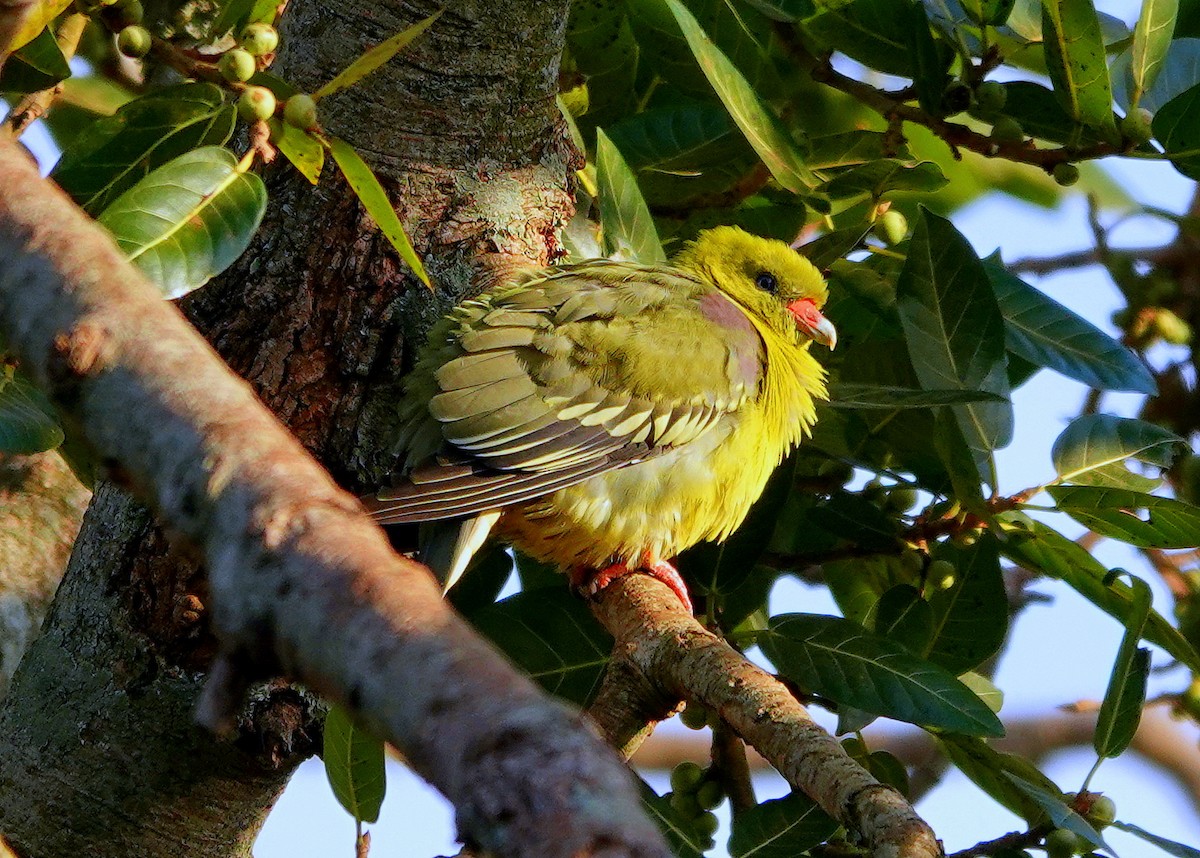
(610, 413)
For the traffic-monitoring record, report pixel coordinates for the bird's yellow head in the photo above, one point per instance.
(765, 276)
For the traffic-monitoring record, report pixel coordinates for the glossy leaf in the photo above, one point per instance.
(375, 57)
(1117, 513)
(1171, 847)
(375, 200)
(761, 127)
(1044, 332)
(841, 660)
(903, 616)
(780, 828)
(305, 152)
(27, 421)
(119, 150)
(869, 31)
(1179, 72)
(988, 769)
(1039, 547)
(1121, 710)
(882, 397)
(553, 637)
(969, 619)
(931, 59)
(954, 331)
(673, 137)
(38, 65)
(233, 13)
(1151, 38)
(1177, 127)
(991, 12)
(1092, 450)
(188, 220)
(1060, 814)
(847, 148)
(877, 178)
(354, 765)
(39, 16)
(1077, 61)
(628, 228)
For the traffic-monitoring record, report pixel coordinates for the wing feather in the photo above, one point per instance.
(523, 394)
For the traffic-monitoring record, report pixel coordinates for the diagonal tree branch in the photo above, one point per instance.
(301, 582)
(684, 660)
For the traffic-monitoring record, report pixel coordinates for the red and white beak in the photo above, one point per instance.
(811, 322)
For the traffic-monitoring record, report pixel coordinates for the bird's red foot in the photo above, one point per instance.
(592, 581)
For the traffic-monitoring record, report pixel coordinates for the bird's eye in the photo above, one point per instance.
(767, 282)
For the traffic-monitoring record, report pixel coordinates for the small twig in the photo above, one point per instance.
(732, 768)
(1014, 841)
(684, 659)
(894, 106)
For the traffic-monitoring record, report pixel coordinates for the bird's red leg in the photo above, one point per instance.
(592, 581)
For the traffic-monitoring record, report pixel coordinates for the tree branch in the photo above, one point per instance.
(683, 659)
(301, 581)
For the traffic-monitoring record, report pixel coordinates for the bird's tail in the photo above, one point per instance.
(447, 546)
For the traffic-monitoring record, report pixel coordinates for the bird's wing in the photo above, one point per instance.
(544, 384)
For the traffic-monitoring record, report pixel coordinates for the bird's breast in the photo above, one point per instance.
(699, 491)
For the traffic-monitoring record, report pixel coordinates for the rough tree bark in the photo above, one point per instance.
(319, 316)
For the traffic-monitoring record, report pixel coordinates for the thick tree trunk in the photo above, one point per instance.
(98, 749)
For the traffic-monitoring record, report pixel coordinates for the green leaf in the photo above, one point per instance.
(841, 660)
(762, 127)
(188, 220)
(877, 178)
(1121, 710)
(1178, 72)
(27, 421)
(374, 58)
(827, 249)
(1171, 847)
(119, 150)
(354, 766)
(988, 769)
(969, 618)
(954, 331)
(676, 137)
(1092, 451)
(1113, 512)
(305, 152)
(847, 148)
(1062, 816)
(40, 15)
(1044, 332)
(1041, 548)
(1041, 114)
(629, 231)
(869, 31)
(553, 637)
(884, 397)
(1151, 38)
(36, 66)
(858, 584)
(375, 200)
(931, 59)
(903, 616)
(233, 13)
(985, 689)
(1077, 61)
(992, 12)
(1177, 128)
(681, 834)
(780, 828)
